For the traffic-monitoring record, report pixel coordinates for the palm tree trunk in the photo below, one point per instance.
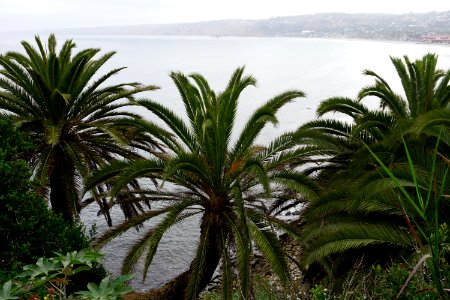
(63, 197)
(212, 223)
(176, 288)
(173, 290)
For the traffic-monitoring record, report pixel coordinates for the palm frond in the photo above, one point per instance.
(269, 245)
(339, 238)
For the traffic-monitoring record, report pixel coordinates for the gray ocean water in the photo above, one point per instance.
(321, 68)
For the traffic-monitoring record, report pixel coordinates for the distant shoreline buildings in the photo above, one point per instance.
(437, 39)
(432, 27)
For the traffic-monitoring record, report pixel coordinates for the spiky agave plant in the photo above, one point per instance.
(227, 183)
(59, 97)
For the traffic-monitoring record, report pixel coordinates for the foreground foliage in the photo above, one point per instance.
(28, 229)
(50, 278)
(363, 282)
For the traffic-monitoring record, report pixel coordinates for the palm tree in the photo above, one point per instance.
(359, 209)
(61, 100)
(339, 149)
(227, 183)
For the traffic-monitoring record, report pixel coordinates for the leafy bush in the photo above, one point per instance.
(378, 282)
(264, 289)
(49, 279)
(388, 283)
(318, 292)
(28, 228)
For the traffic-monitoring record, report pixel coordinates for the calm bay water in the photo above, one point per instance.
(320, 68)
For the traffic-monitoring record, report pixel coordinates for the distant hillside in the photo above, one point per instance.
(409, 27)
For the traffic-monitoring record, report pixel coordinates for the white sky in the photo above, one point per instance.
(52, 14)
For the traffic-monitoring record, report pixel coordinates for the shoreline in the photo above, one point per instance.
(210, 37)
(69, 32)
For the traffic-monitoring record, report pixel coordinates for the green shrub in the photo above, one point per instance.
(379, 282)
(49, 279)
(319, 292)
(28, 228)
(388, 283)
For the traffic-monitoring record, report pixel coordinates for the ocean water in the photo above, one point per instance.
(321, 68)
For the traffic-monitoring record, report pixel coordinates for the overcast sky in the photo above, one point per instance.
(52, 14)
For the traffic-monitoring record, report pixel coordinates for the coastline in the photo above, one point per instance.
(193, 37)
(75, 33)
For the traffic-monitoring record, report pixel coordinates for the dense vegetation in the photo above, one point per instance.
(375, 187)
(28, 229)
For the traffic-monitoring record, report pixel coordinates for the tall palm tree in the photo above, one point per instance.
(229, 184)
(60, 98)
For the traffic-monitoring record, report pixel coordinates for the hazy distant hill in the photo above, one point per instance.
(368, 26)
